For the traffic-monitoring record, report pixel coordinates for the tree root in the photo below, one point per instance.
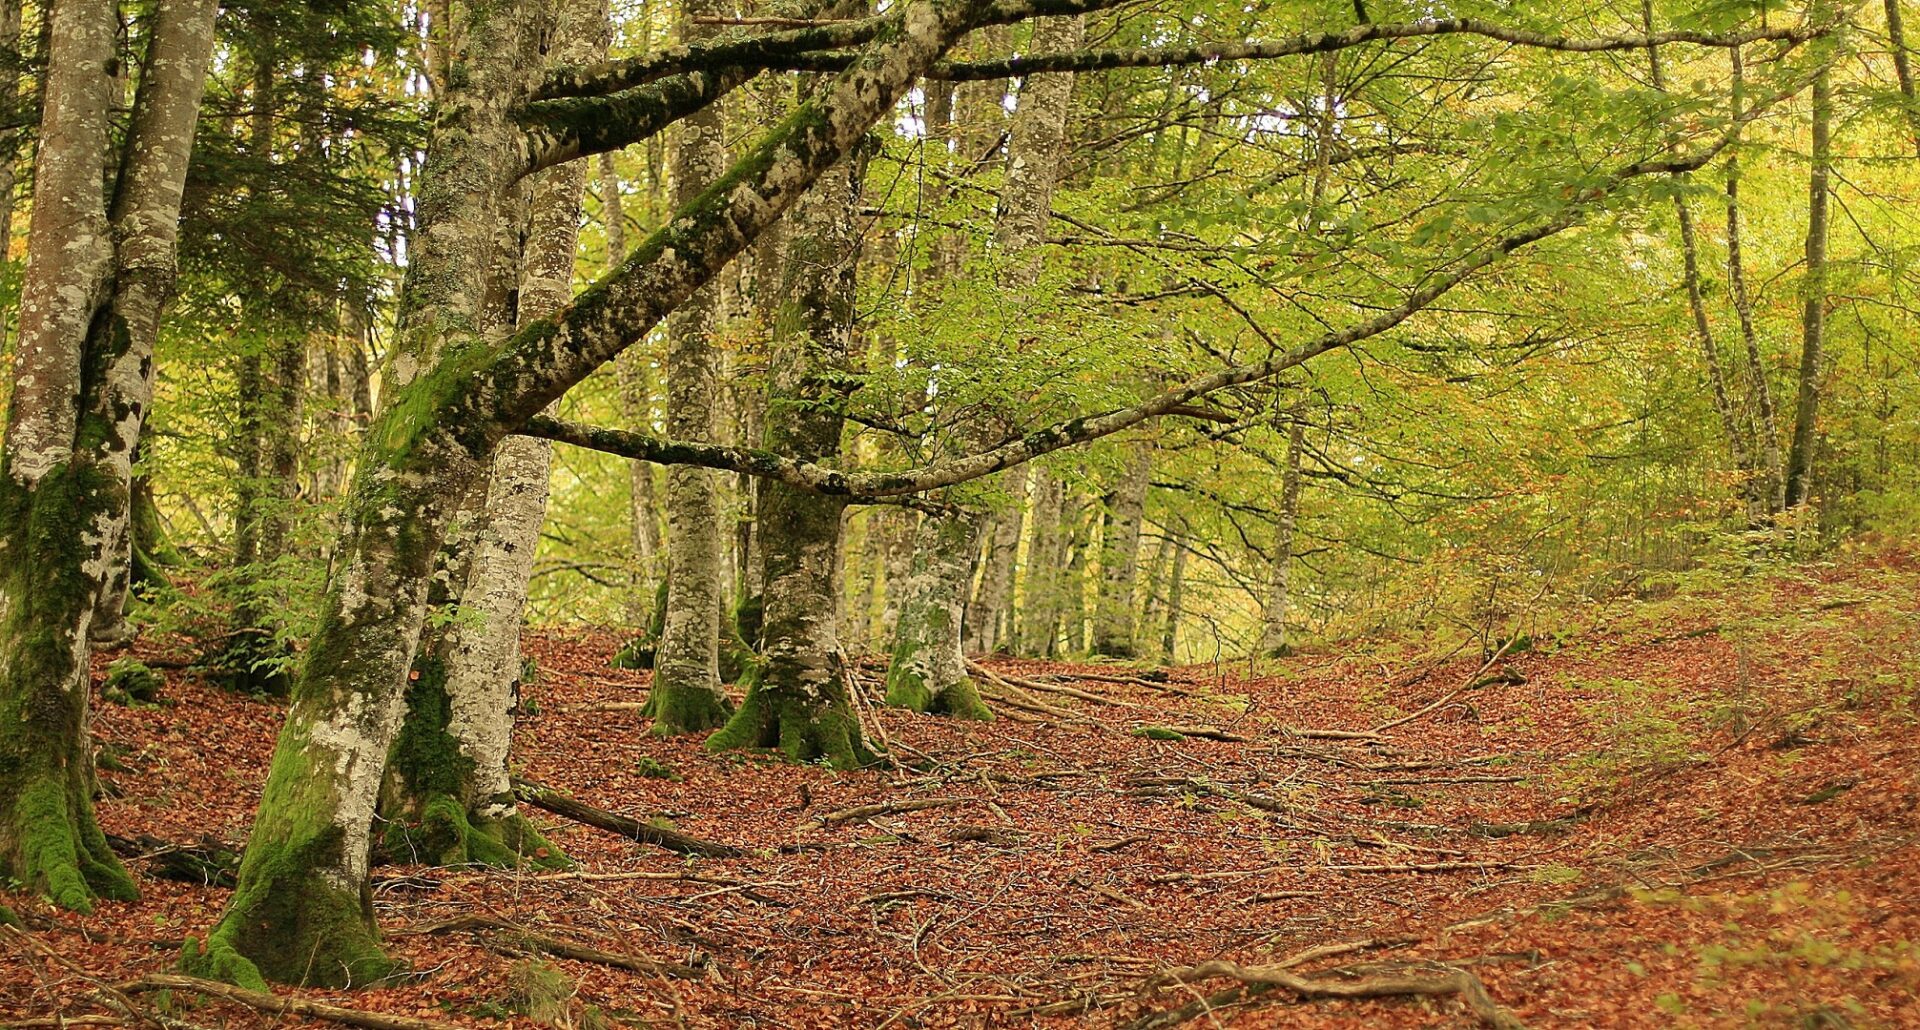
(613, 822)
(1257, 980)
(281, 1004)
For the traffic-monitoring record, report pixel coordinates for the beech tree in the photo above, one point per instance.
(100, 272)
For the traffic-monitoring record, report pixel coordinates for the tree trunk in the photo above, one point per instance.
(1176, 597)
(1273, 635)
(990, 616)
(1769, 483)
(301, 910)
(1076, 530)
(796, 697)
(98, 279)
(686, 694)
(1046, 549)
(449, 789)
(929, 672)
(1813, 288)
(1737, 442)
(1120, 558)
(1903, 67)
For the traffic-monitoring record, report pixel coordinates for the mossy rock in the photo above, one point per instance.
(654, 769)
(131, 682)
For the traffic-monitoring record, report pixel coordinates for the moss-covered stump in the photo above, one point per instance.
(448, 835)
(800, 726)
(131, 682)
(291, 923)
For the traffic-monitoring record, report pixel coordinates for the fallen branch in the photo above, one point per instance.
(1055, 688)
(560, 804)
(1478, 679)
(558, 948)
(1431, 867)
(1181, 732)
(282, 1004)
(864, 812)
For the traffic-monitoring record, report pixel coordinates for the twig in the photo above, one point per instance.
(1454, 981)
(562, 949)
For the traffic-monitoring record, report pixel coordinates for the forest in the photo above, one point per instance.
(585, 514)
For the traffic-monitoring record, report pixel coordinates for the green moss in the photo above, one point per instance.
(789, 724)
(448, 835)
(678, 710)
(654, 769)
(129, 680)
(426, 760)
(907, 688)
(8, 918)
(288, 923)
(1159, 733)
(63, 854)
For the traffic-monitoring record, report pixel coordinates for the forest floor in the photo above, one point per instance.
(1699, 811)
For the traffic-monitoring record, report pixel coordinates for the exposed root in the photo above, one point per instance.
(1257, 980)
(281, 1004)
(519, 938)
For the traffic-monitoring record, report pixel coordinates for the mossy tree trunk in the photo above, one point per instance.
(797, 696)
(301, 909)
(100, 272)
(686, 695)
(450, 795)
(1120, 557)
(1813, 290)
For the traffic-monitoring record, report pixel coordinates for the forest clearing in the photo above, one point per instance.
(901, 513)
(1730, 844)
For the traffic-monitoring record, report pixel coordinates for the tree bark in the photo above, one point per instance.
(98, 279)
(451, 795)
(1120, 557)
(1046, 550)
(686, 695)
(1903, 67)
(1176, 599)
(1813, 289)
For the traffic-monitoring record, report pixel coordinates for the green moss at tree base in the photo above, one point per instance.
(801, 731)
(289, 923)
(961, 700)
(448, 835)
(679, 710)
(61, 852)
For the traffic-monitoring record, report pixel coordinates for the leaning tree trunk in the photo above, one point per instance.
(302, 908)
(449, 794)
(686, 696)
(1120, 558)
(928, 672)
(1273, 634)
(797, 694)
(1813, 288)
(96, 285)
